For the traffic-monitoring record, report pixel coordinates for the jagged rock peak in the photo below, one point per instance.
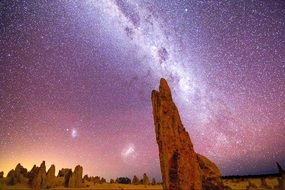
(164, 89)
(39, 179)
(50, 177)
(76, 177)
(178, 160)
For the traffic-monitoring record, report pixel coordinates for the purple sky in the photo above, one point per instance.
(76, 79)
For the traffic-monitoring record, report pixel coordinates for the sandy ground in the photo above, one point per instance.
(96, 187)
(233, 184)
(271, 182)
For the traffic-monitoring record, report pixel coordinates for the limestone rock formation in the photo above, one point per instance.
(32, 174)
(145, 179)
(178, 161)
(153, 181)
(103, 180)
(211, 175)
(63, 172)
(123, 180)
(19, 175)
(76, 177)
(86, 178)
(64, 176)
(50, 178)
(39, 179)
(11, 178)
(135, 180)
(96, 179)
(21, 170)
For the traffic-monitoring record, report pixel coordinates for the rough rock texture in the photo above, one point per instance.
(11, 178)
(39, 179)
(103, 180)
(96, 179)
(50, 178)
(211, 175)
(64, 173)
(145, 179)
(32, 174)
(19, 175)
(281, 179)
(59, 181)
(153, 181)
(86, 178)
(76, 177)
(178, 161)
(135, 180)
(21, 170)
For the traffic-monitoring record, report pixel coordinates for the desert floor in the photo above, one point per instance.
(95, 187)
(235, 185)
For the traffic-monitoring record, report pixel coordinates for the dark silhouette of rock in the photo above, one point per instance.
(11, 178)
(32, 174)
(123, 180)
(67, 178)
(86, 178)
(96, 179)
(76, 177)
(63, 172)
(21, 170)
(280, 169)
(211, 175)
(102, 180)
(50, 177)
(19, 175)
(63, 176)
(153, 181)
(1, 174)
(39, 179)
(145, 179)
(135, 180)
(178, 160)
(281, 179)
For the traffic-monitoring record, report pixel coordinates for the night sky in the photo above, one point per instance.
(76, 79)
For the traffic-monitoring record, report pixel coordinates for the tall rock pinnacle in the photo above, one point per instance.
(178, 161)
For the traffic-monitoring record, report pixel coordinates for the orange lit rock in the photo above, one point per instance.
(50, 178)
(178, 161)
(39, 180)
(76, 177)
(17, 176)
(211, 175)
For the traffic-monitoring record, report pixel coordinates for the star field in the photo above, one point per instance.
(76, 79)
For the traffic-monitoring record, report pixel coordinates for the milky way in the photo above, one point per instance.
(76, 79)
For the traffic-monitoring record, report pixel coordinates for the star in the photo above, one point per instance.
(81, 73)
